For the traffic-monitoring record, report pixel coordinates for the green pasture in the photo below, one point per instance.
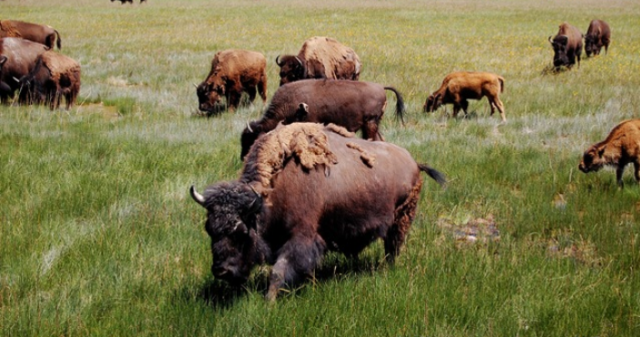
(99, 237)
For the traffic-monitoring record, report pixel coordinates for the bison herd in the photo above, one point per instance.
(308, 185)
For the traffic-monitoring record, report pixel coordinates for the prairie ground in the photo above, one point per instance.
(99, 237)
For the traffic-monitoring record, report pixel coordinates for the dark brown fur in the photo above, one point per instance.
(621, 147)
(598, 36)
(351, 104)
(320, 57)
(232, 72)
(22, 56)
(42, 34)
(333, 202)
(54, 76)
(458, 87)
(567, 46)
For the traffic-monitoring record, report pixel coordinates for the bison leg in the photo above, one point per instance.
(252, 93)
(403, 217)
(262, 88)
(636, 167)
(297, 259)
(233, 99)
(464, 105)
(370, 130)
(619, 172)
(498, 104)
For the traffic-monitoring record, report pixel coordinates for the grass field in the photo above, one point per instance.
(99, 237)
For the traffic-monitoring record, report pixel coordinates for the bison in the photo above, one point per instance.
(458, 87)
(598, 35)
(567, 46)
(54, 76)
(620, 148)
(21, 57)
(352, 104)
(306, 189)
(232, 72)
(320, 57)
(43, 34)
(129, 1)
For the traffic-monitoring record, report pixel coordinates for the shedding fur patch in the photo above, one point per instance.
(9, 29)
(367, 158)
(307, 143)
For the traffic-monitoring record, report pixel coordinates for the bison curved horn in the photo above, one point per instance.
(256, 204)
(550, 41)
(277, 61)
(195, 85)
(196, 196)
(299, 61)
(249, 127)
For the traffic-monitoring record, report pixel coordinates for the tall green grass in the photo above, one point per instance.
(99, 237)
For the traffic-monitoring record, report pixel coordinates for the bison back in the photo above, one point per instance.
(327, 58)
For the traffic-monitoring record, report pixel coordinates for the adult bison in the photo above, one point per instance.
(620, 148)
(320, 57)
(22, 56)
(43, 34)
(129, 1)
(598, 36)
(306, 189)
(232, 72)
(458, 87)
(567, 46)
(351, 104)
(54, 76)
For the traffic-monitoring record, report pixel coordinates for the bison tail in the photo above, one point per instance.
(433, 173)
(58, 40)
(400, 108)
(501, 83)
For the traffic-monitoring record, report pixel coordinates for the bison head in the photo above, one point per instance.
(209, 94)
(291, 69)
(434, 101)
(232, 209)
(248, 137)
(591, 45)
(592, 160)
(559, 44)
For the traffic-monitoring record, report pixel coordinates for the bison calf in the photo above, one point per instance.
(232, 72)
(306, 189)
(458, 87)
(598, 36)
(54, 76)
(620, 148)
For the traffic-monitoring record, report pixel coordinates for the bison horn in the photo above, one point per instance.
(550, 39)
(299, 61)
(277, 61)
(195, 85)
(196, 196)
(249, 127)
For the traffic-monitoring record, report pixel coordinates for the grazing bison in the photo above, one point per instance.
(351, 104)
(620, 148)
(22, 56)
(43, 34)
(320, 57)
(129, 1)
(232, 72)
(458, 87)
(54, 76)
(598, 35)
(567, 46)
(306, 189)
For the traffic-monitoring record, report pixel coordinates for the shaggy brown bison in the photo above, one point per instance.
(232, 72)
(306, 189)
(320, 57)
(54, 76)
(598, 36)
(22, 56)
(567, 46)
(351, 104)
(129, 1)
(45, 35)
(620, 148)
(458, 87)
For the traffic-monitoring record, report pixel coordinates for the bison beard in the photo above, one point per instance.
(306, 189)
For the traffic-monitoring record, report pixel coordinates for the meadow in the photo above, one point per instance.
(99, 237)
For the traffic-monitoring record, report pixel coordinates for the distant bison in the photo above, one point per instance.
(458, 87)
(620, 148)
(129, 1)
(320, 57)
(21, 57)
(567, 46)
(54, 76)
(598, 36)
(43, 34)
(351, 104)
(306, 189)
(232, 72)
